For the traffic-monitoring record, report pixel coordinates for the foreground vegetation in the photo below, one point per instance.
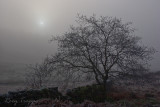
(86, 96)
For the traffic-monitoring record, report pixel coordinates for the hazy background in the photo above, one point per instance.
(27, 25)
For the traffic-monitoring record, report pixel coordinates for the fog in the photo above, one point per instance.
(27, 25)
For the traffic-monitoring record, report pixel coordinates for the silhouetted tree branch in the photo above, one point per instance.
(104, 47)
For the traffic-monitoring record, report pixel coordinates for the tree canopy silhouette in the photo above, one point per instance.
(104, 47)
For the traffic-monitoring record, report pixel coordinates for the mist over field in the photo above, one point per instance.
(80, 53)
(26, 26)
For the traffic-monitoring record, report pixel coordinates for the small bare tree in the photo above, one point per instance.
(38, 74)
(104, 47)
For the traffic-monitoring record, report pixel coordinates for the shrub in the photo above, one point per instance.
(147, 95)
(94, 93)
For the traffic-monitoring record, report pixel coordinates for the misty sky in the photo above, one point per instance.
(27, 25)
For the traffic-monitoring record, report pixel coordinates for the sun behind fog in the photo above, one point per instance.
(41, 22)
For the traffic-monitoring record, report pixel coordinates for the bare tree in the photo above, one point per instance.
(38, 74)
(104, 47)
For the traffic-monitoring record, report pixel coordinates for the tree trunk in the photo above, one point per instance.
(107, 86)
(105, 89)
